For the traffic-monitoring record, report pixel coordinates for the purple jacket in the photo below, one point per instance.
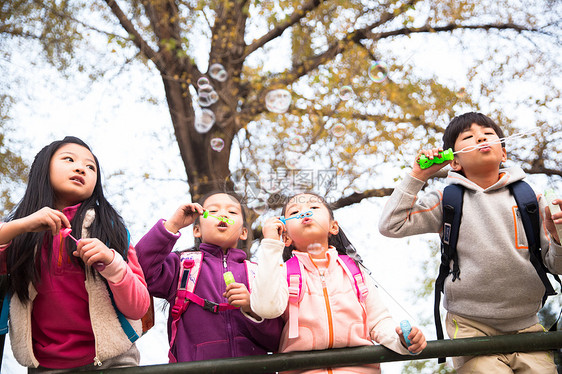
(201, 334)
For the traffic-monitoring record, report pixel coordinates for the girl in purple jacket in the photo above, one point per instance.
(204, 330)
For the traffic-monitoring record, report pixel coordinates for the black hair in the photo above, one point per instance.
(338, 241)
(242, 244)
(24, 253)
(463, 122)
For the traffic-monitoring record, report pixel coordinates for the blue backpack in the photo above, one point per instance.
(452, 211)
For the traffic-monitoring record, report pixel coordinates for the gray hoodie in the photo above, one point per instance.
(498, 285)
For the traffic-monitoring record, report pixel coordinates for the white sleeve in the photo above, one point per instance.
(270, 292)
(381, 325)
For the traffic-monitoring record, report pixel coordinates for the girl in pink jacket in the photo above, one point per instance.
(329, 313)
(65, 295)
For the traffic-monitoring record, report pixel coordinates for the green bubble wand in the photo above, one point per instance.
(448, 154)
(223, 219)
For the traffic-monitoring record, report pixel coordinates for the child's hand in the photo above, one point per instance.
(416, 337)
(273, 228)
(184, 216)
(92, 251)
(45, 219)
(238, 295)
(553, 219)
(424, 174)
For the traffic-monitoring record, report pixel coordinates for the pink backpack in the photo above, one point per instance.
(189, 273)
(294, 280)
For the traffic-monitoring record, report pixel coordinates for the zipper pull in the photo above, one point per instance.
(97, 362)
(224, 261)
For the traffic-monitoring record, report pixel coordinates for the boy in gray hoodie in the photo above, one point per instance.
(499, 291)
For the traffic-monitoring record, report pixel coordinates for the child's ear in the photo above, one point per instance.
(504, 155)
(196, 231)
(244, 234)
(455, 165)
(334, 228)
(288, 241)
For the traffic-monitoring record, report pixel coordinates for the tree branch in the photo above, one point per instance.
(357, 197)
(449, 27)
(137, 38)
(280, 29)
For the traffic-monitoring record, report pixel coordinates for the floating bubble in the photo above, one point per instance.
(205, 121)
(346, 93)
(296, 143)
(378, 72)
(218, 72)
(206, 95)
(278, 101)
(315, 249)
(338, 130)
(461, 93)
(217, 144)
(292, 163)
(203, 81)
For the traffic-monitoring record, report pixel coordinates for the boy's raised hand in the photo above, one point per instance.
(184, 216)
(416, 337)
(273, 228)
(424, 174)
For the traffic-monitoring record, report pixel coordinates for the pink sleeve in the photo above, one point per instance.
(3, 255)
(130, 292)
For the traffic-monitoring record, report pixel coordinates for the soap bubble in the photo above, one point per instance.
(346, 93)
(314, 249)
(461, 93)
(218, 72)
(292, 163)
(296, 143)
(205, 121)
(378, 72)
(278, 101)
(338, 130)
(202, 81)
(206, 95)
(217, 144)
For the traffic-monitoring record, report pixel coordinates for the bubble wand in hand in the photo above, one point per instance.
(99, 266)
(223, 219)
(308, 213)
(448, 154)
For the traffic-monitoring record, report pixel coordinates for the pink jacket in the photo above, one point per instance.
(84, 328)
(329, 314)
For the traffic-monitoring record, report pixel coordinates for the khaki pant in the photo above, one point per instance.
(517, 362)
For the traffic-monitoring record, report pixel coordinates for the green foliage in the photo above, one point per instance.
(12, 168)
(332, 44)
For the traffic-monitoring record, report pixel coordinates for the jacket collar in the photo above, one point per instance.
(306, 260)
(232, 254)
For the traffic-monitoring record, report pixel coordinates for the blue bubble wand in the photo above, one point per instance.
(308, 213)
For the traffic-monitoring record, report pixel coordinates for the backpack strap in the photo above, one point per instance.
(452, 212)
(529, 210)
(5, 313)
(355, 276)
(251, 269)
(190, 265)
(189, 273)
(294, 280)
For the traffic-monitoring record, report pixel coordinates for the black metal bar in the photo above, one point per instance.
(355, 356)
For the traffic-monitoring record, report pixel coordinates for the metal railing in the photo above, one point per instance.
(355, 356)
